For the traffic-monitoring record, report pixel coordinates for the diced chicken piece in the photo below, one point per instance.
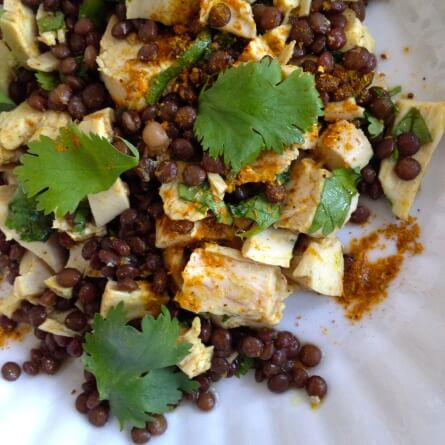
(51, 124)
(127, 78)
(241, 23)
(19, 30)
(343, 145)
(271, 246)
(344, 110)
(272, 43)
(207, 229)
(76, 260)
(105, 206)
(33, 273)
(217, 185)
(220, 281)
(50, 38)
(175, 261)
(320, 267)
(56, 328)
(137, 303)
(199, 359)
(304, 8)
(49, 251)
(100, 123)
(90, 230)
(303, 196)
(402, 194)
(45, 62)
(286, 6)
(9, 304)
(168, 12)
(64, 292)
(6, 66)
(17, 126)
(357, 34)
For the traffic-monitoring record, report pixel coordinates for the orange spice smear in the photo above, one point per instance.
(366, 282)
(17, 334)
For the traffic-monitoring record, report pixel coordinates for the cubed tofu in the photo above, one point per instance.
(271, 246)
(76, 260)
(91, 230)
(343, 145)
(168, 12)
(175, 260)
(45, 62)
(217, 185)
(207, 229)
(304, 8)
(49, 251)
(7, 65)
(57, 328)
(241, 23)
(401, 194)
(105, 206)
(272, 43)
(49, 38)
(127, 78)
(100, 123)
(320, 267)
(8, 304)
(344, 110)
(18, 125)
(357, 34)
(64, 292)
(303, 194)
(219, 280)
(19, 30)
(137, 303)
(199, 359)
(50, 125)
(33, 273)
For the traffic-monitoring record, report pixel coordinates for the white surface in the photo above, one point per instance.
(385, 374)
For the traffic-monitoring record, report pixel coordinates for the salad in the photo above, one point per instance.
(172, 171)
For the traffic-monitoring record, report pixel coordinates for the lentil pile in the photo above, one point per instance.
(180, 236)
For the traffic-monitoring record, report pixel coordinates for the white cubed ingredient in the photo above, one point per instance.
(220, 281)
(57, 328)
(45, 62)
(343, 145)
(304, 8)
(19, 30)
(6, 66)
(199, 359)
(9, 303)
(303, 194)
(51, 124)
(344, 110)
(241, 22)
(100, 123)
(401, 194)
(320, 267)
(175, 261)
(286, 6)
(137, 303)
(76, 260)
(271, 246)
(107, 205)
(357, 34)
(168, 12)
(91, 230)
(217, 185)
(49, 38)
(64, 292)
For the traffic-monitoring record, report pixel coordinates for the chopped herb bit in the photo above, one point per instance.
(245, 364)
(375, 126)
(51, 22)
(81, 216)
(47, 81)
(413, 122)
(6, 104)
(395, 90)
(283, 177)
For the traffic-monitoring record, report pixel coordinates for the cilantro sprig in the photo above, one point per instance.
(135, 370)
(335, 201)
(375, 126)
(251, 108)
(6, 104)
(413, 122)
(51, 22)
(47, 81)
(61, 173)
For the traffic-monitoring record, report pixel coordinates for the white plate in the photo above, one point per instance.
(385, 374)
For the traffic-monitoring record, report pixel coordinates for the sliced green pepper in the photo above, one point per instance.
(188, 58)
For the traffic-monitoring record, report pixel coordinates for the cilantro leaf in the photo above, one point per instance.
(413, 122)
(51, 22)
(81, 216)
(335, 202)
(94, 10)
(64, 171)
(244, 365)
(283, 177)
(204, 196)
(259, 210)
(375, 126)
(250, 108)
(395, 90)
(135, 369)
(30, 223)
(6, 104)
(47, 81)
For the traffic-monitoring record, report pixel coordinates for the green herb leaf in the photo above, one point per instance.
(47, 81)
(375, 126)
(94, 10)
(250, 108)
(204, 196)
(134, 369)
(244, 365)
(26, 220)
(283, 177)
(335, 202)
(64, 171)
(413, 122)
(6, 104)
(51, 22)
(257, 209)
(395, 90)
(81, 216)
